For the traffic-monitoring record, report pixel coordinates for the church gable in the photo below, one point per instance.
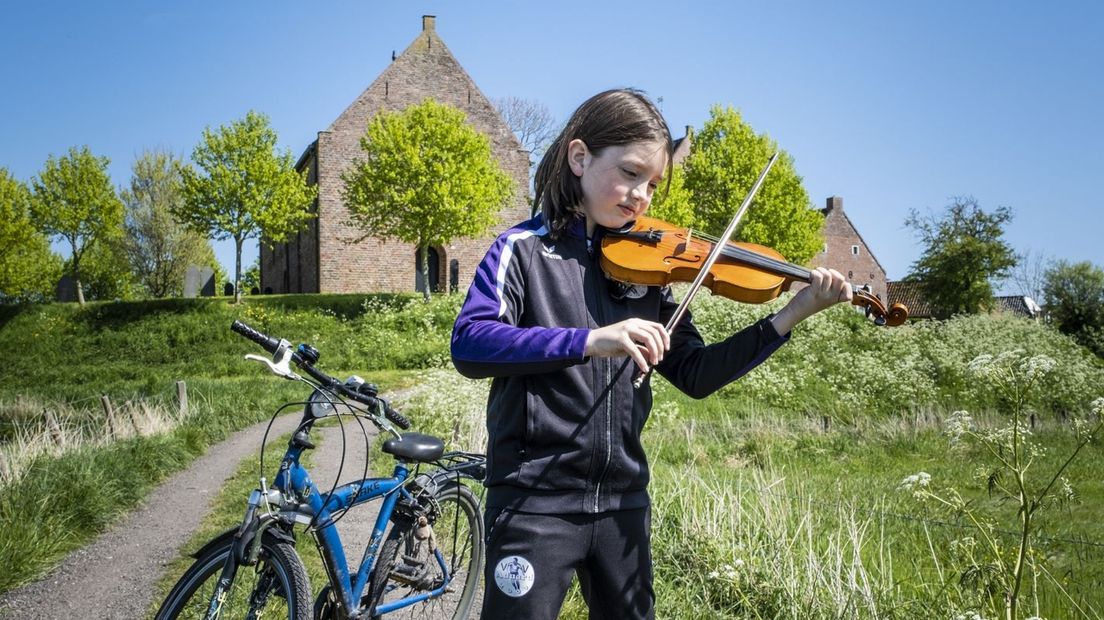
(426, 68)
(847, 252)
(338, 258)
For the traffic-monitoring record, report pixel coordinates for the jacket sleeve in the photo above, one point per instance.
(487, 340)
(698, 369)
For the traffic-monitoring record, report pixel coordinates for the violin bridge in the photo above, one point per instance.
(684, 246)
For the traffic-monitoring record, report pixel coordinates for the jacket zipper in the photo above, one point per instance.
(609, 435)
(609, 380)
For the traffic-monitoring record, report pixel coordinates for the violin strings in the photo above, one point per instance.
(755, 258)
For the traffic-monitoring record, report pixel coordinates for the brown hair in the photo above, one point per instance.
(611, 118)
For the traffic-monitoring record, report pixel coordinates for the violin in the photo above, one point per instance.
(651, 252)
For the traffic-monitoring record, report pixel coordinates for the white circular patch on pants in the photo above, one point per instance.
(514, 575)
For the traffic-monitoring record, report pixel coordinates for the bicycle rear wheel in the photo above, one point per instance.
(276, 587)
(407, 566)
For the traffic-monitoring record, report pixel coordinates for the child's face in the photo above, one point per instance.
(619, 182)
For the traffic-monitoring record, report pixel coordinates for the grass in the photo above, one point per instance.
(759, 510)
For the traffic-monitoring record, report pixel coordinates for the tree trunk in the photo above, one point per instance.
(237, 270)
(76, 271)
(424, 252)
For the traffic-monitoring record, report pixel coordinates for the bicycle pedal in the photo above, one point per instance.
(412, 562)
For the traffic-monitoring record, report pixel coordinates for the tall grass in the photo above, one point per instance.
(37, 429)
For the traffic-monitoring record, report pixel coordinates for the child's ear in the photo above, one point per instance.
(577, 154)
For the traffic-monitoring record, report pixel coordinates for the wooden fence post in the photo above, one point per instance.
(110, 414)
(133, 419)
(182, 398)
(826, 423)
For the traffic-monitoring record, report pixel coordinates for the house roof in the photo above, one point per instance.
(681, 146)
(1018, 304)
(908, 293)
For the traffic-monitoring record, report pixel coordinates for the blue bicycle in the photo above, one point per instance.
(429, 565)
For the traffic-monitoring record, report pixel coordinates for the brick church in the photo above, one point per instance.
(328, 256)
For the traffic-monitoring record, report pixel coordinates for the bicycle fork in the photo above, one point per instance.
(244, 551)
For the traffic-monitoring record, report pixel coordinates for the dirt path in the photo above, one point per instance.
(115, 576)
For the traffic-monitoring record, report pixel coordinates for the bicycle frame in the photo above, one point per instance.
(295, 498)
(294, 480)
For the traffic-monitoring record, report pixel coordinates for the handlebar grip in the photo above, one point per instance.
(396, 417)
(267, 343)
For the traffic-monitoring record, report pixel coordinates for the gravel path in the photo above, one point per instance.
(114, 576)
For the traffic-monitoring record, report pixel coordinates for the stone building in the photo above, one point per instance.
(330, 256)
(846, 252)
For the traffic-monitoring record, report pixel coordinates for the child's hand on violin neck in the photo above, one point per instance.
(827, 287)
(644, 341)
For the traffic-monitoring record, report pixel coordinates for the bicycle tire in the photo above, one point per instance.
(406, 567)
(277, 563)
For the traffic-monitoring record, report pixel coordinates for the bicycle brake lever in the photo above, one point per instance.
(279, 364)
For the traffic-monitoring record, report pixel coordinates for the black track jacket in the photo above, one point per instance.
(564, 429)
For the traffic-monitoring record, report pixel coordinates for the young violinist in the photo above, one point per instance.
(567, 476)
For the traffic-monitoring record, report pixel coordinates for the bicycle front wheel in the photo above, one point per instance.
(407, 567)
(276, 587)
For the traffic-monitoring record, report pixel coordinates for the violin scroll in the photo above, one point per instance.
(873, 306)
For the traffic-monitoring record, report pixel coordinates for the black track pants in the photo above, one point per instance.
(531, 558)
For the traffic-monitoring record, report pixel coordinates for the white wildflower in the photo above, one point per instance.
(915, 481)
(1066, 491)
(1038, 366)
(981, 365)
(1097, 406)
(958, 424)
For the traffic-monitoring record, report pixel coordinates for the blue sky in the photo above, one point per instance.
(893, 106)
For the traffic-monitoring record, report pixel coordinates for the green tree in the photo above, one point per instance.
(1074, 298)
(158, 247)
(74, 200)
(963, 253)
(673, 203)
(105, 270)
(725, 159)
(241, 188)
(426, 177)
(28, 269)
(251, 279)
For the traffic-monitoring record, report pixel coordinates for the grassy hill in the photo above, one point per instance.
(778, 496)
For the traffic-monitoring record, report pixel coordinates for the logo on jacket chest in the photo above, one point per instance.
(549, 251)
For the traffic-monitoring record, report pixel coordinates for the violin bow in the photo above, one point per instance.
(718, 247)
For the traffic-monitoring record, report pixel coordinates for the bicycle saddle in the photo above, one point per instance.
(415, 447)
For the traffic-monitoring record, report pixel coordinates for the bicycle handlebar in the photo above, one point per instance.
(271, 345)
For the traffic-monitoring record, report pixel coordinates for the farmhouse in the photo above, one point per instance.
(847, 252)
